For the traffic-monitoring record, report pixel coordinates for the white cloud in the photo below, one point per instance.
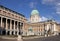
(58, 8)
(58, 12)
(56, 4)
(32, 4)
(43, 18)
(47, 1)
(51, 2)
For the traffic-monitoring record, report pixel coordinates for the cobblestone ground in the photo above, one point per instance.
(53, 38)
(8, 40)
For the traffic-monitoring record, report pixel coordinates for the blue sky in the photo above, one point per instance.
(47, 8)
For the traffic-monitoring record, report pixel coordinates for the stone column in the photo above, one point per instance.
(19, 36)
(6, 23)
(54, 27)
(14, 27)
(55, 30)
(47, 27)
(23, 28)
(47, 30)
(6, 26)
(1, 21)
(10, 26)
(1, 25)
(20, 27)
(17, 29)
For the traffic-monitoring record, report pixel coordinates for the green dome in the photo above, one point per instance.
(34, 12)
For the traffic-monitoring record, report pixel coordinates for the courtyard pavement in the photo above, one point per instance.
(52, 38)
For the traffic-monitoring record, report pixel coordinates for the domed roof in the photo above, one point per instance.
(34, 12)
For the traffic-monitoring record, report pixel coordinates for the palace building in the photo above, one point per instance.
(38, 27)
(14, 23)
(11, 22)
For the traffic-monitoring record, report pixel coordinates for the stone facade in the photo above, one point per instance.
(37, 27)
(11, 22)
(14, 23)
(42, 28)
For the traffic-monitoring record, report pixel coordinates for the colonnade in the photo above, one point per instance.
(10, 26)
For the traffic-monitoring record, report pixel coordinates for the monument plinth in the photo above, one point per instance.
(19, 38)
